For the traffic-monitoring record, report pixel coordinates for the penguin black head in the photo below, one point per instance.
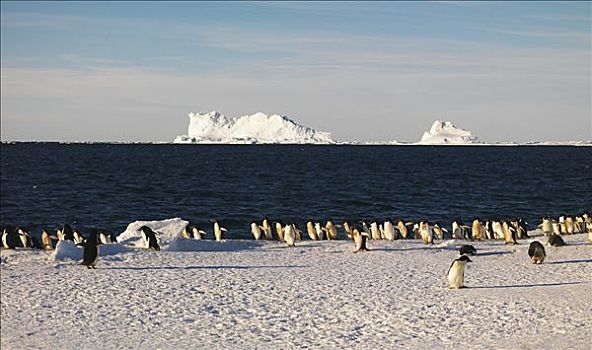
(466, 249)
(464, 258)
(388, 219)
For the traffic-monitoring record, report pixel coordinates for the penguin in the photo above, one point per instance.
(402, 228)
(569, 225)
(374, 231)
(521, 228)
(498, 231)
(509, 233)
(279, 230)
(47, 241)
(562, 225)
(415, 231)
(90, 255)
(466, 249)
(489, 229)
(320, 231)
(438, 231)
(556, 241)
(255, 231)
(10, 238)
(312, 233)
(196, 233)
(331, 230)
(477, 230)
(219, 231)
(297, 232)
(389, 230)
(536, 251)
(67, 233)
(589, 229)
(360, 239)
(556, 228)
(546, 226)
(60, 232)
(25, 239)
(105, 237)
(348, 229)
(35, 243)
(456, 272)
(78, 238)
(459, 230)
(266, 227)
(186, 233)
(149, 238)
(290, 235)
(426, 234)
(580, 225)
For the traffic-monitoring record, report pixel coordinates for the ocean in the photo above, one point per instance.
(111, 185)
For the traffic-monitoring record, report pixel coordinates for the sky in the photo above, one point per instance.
(364, 71)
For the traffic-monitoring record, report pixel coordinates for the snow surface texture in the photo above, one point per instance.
(245, 294)
(214, 127)
(447, 133)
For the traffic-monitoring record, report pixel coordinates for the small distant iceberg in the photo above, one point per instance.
(214, 127)
(446, 133)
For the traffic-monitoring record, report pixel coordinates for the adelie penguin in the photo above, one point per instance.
(10, 239)
(266, 227)
(218, 231)
(90, 255)
(360, 240)
(536, 251)
(290, 235)
(149, 238)
(467, 249)
(556, 241)
(256, 230)
(47, 240)
(456, 272)
(310, 229)
(389, 230)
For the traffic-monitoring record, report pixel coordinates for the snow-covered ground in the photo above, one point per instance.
(246, 294)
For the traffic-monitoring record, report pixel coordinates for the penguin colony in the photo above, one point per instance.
(508, 230)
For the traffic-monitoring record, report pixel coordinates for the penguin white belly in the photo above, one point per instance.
(389, 231)
(4, 240)
(456, 276)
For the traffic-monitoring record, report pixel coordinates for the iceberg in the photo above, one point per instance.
(444, 133)
(214, 127)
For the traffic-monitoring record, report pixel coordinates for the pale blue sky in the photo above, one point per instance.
(365, 71)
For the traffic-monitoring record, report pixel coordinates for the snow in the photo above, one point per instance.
(261, 294)
(166, 230)
(447, 133)
(214, 127)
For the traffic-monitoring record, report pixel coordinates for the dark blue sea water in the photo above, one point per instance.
(109, 186)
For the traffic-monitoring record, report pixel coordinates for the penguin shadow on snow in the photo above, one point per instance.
(528, 285)
(206, 267)
(569, 261)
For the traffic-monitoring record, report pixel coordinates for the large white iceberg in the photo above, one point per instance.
(447, 133)
(214, 127)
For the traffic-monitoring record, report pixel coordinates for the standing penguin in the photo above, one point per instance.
(266, 227)
(438, 231)
(196, 233)
(67, 233)
(320, 231)
(348, 229)
(477, 230)
(10, 239)
(78, 237)
(459, 230)
(331, 230)
(536, 251)
(509, 233)
(290, 234)
(498, 231)
(389, 230)
(47, 240)
(456, 272)
(312, 233)
(279, 230)
(374, 230)
(402, 228)
(547, 225)
(90, 255)
(360, 239)
(219, 231)
(149, 238)
(24, 237)
(105, 237)
(424, 231)
(255, 231)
